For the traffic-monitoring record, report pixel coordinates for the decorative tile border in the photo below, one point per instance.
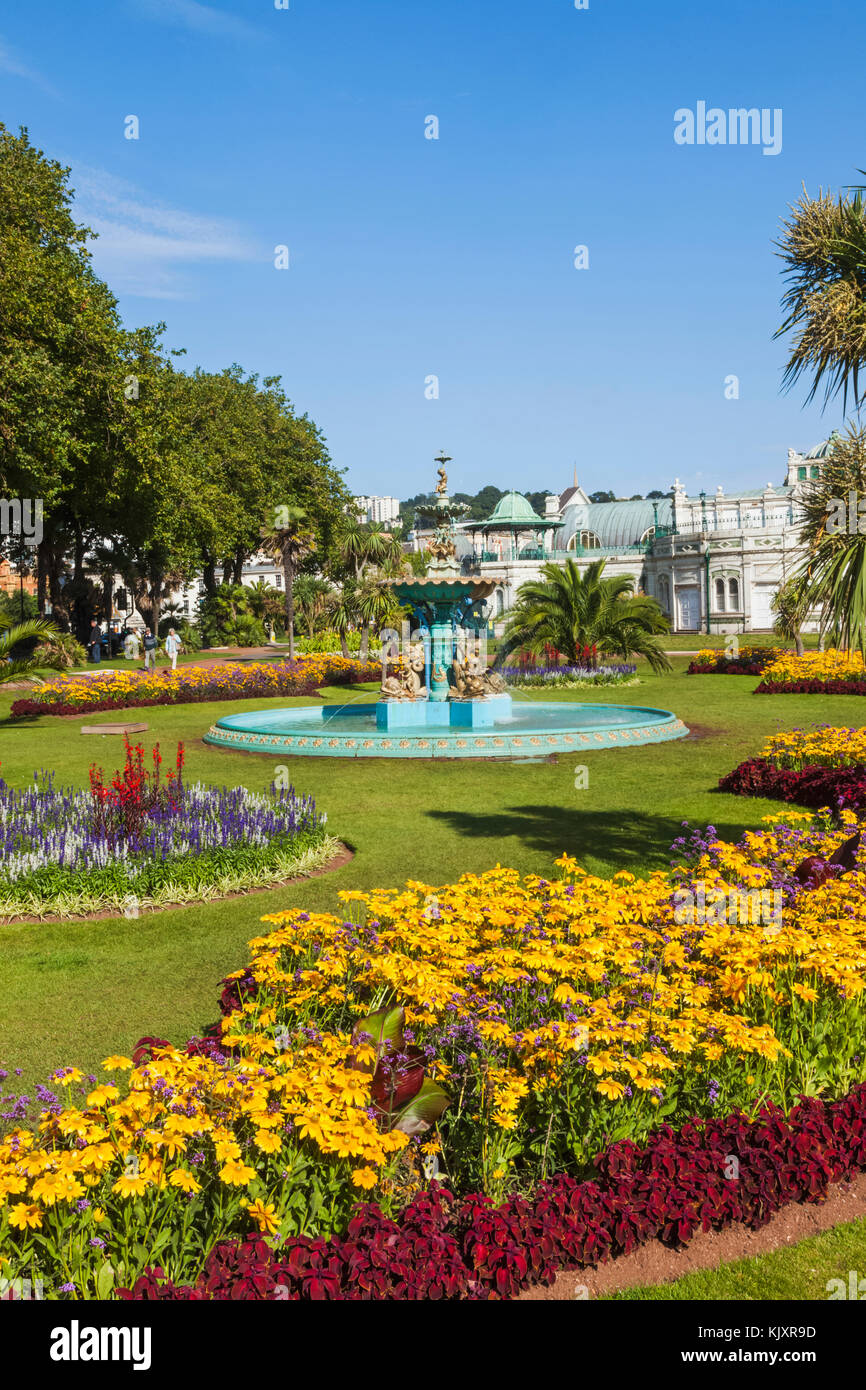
(491, 744)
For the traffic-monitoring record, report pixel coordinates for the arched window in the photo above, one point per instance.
(720, 595)
(734, 594)
(647, 535)
(589, 540)
(664, 592)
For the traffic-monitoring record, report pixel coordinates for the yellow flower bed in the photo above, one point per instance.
(825, 746)
(558, 1014)
(831, 665)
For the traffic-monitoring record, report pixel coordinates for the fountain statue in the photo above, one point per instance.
(461, 691)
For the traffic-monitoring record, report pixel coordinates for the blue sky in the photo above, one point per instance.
(454, 258)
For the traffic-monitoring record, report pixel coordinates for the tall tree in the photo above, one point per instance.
(289, 538)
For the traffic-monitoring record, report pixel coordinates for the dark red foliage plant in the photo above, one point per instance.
(710, 1175)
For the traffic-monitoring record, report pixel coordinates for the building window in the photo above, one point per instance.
(801, 474)
(589, 540)
(720, 595)
(816, 472)
(734, 594)
(664, 595)
(278, 580)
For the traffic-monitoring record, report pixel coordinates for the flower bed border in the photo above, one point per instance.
(815, 786)
(446, 1248)
(296, 683)
(812, 687)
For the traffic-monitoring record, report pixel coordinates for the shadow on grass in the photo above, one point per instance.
(631, 840)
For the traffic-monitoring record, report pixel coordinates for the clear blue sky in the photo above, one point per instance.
(412, 257)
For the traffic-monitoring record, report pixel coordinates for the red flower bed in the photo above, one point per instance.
(708, 1176)
(812, 687)
(837, 787)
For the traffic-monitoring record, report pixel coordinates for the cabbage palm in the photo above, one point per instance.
(570, 610)
(823, 247)
(11, 635)
(289, 540)
(792, 607)
(833, 575)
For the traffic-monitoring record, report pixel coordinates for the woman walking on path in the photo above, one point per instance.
(149, 649)
(172, 647)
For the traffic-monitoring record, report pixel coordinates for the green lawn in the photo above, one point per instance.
(74, 993)
(798, 1272)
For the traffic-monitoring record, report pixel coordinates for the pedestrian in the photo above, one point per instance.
(149, 649)
(173, 645)
(94, 644)
(131, 645)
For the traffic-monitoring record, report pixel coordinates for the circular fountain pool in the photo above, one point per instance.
(531, 729)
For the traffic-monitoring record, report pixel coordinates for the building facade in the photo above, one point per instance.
(385, 509)
(714, 562)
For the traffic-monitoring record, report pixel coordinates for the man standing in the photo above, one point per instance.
(94, 643)
(149, 650)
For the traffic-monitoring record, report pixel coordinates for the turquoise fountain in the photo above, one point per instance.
(437, 698)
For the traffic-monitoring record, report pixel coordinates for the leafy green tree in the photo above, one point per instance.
(570, 611)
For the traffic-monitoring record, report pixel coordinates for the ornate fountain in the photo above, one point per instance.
(437, 675)
(437, 697)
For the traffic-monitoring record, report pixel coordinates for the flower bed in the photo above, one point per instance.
(822, 767)
(559, 1017)
(146, 840)
(709, 1176)
(192, 684)
(749, 661)
(815, 673)
(519, 676)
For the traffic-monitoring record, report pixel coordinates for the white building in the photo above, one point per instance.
(386, 509)
(713, 562)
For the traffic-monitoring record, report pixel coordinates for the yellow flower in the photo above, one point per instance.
(237, 1174)
(116, 1064)
(265, 1217)
(184, 1179)
(23, 1216)
(610, 1088)
(131, 1185)
(266, 1141)
(365, 1177)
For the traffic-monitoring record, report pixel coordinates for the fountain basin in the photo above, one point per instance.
(530, 728)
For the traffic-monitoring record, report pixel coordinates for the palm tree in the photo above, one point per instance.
(11, 635)
(823, 247)
(311, 596)
(792, 608)
(570, 611)
(833, 575)
(362, 547)
(289, 540)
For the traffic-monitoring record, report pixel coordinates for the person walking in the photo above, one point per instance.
(131, 645)
(173, 645)
(149, 650)
(94, 644)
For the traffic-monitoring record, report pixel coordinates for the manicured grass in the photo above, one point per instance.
(75, 993)
(797, 1272)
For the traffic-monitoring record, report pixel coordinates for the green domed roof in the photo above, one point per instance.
(821, 451)
(515, 509)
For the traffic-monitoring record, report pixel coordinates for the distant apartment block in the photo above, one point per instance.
(385, 509)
